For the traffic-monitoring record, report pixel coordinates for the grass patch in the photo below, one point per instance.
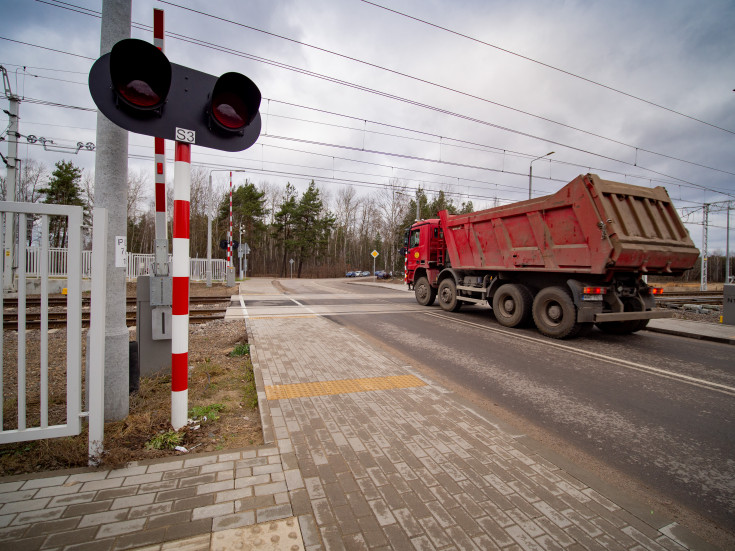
(240, 350)
(221, 387)
(206, 413)
(165, 441)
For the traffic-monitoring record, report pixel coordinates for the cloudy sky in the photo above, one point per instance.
(449, 95)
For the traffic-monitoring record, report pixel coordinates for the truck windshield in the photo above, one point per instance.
(415, 238)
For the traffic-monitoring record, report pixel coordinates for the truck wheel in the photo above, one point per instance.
(554, 313)
(425, 293)
(448, 296)
(512, 305)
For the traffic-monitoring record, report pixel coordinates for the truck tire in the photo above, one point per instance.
(425, 293)
(447, 294)
(512, 304)
(554, 313)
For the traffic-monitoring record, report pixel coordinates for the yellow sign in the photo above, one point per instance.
(416, 254)
(374, 254)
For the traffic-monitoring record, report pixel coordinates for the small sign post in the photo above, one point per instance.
(291, 261)
(374, 254)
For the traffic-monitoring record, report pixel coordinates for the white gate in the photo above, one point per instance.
(38, 373)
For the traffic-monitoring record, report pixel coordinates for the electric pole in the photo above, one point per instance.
(11, 182)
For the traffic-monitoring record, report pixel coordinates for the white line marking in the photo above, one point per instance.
(701, 383)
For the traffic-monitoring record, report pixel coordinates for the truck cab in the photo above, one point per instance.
(425, 258)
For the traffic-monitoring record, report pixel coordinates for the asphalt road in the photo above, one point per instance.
(656, 408)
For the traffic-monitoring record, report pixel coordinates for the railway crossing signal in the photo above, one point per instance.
(137, 88)
(140, 90)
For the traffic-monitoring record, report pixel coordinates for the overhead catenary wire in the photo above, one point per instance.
(438, 161)
(549, 66)
(193, 40)
(431, 83)
(196, 41)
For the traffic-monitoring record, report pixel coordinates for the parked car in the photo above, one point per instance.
(350, 274)
(381, 274)
(365, 274)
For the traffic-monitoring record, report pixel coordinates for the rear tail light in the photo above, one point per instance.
(656, 290)
(594, 290)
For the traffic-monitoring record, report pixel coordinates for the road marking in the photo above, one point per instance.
(281, 316)
(694, 381)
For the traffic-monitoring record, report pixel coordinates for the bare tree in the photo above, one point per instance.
(392, 204)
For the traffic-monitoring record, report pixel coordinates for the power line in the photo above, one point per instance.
(387, 153)
(447, 112)
(46, 48)
(568, 73)
(195, 41)
(331, 79)
(431, 83)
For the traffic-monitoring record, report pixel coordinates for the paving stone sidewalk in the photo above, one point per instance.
(361, 453)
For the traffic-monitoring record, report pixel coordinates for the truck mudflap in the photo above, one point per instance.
(628, 316)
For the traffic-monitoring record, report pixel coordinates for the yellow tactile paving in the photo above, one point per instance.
(344, 386)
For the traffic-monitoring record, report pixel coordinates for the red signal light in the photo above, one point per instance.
(656, 290)
(235, 102)
(140, 74)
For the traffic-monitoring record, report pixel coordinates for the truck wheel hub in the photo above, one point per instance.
(554, 312)
(509, 305)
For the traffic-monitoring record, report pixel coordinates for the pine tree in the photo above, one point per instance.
(63, 188)
(284, 223)
(312, 226)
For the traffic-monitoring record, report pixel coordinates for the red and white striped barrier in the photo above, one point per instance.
(160, 156)
(229, 235)
(180, 298)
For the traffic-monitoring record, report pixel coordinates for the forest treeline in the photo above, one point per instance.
(325, 233)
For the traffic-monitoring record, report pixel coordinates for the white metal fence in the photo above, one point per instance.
(35, 418)
(138, 264)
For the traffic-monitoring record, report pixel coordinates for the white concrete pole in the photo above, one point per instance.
(110, 192)
(11, 186)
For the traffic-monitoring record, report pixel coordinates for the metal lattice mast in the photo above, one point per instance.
(705, 221)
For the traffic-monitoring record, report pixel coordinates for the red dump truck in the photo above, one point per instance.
(567, 261)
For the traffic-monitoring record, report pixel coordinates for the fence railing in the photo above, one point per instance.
(138, 264)
(34, 387)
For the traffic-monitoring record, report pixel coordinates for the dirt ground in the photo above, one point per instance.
(221, 388)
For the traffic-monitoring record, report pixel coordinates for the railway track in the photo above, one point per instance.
(700, 298)
(57, 308)
(35, 301)
(57, 312)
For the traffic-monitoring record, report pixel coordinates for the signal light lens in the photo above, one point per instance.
(594, 290)
(235, 102)
(140, 93)
(140, 74)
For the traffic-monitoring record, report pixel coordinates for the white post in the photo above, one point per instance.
(209, 234)
(96, 367)
(180, 298)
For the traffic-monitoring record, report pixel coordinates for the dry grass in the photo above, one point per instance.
(217, 378)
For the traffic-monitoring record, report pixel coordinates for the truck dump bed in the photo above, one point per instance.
(589, 226)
